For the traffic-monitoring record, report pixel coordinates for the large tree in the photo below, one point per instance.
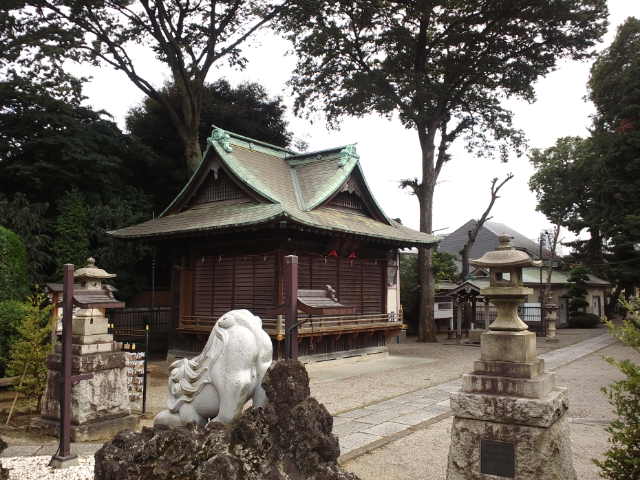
(49, 146)
(443, 66)
(246, 109)
(591, 184)
(188, 36)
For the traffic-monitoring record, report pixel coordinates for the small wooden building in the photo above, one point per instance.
(247, 206)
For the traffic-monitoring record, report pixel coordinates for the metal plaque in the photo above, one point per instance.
(497, 458)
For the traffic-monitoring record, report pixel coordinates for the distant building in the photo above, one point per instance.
(487, 240)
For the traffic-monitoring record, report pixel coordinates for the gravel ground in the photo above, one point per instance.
(350, 383)
(423, 454)
(410, 366)
(35, 468)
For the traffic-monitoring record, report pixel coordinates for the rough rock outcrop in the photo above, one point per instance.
(289, 439)
(4, 473)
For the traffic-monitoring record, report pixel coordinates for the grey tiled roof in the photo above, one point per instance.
(486, 240)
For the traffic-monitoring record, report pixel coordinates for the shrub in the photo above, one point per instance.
(584, 320)
(622, 460)
(578, 276)
(29, 353)
(14, 282)
(11, 314)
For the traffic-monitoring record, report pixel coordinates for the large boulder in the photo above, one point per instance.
(4, 473)
(289, 439)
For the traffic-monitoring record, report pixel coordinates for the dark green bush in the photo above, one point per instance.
(584, 320)
(14, 282)
(28, 355)
(11, 314)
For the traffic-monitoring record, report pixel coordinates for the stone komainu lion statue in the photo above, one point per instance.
(218, 383)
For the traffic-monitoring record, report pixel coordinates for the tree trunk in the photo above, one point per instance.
(427, 324)
(464, 253)
(192, 151)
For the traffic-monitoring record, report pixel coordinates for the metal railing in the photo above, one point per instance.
(531, 315)
(134, 319)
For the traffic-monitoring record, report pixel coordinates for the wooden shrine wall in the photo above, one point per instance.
(359, 282)
(220, 284)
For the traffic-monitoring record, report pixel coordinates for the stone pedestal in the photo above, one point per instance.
(100, 398)
(510, 418)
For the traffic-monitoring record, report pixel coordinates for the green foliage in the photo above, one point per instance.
(578, 276)
(444, 270)
(435, 62)
(49, 146)
(585, 320)
(29, 352)
(14, 282)
(11, 314)
(444, 67)
(130, 260)
(444, 267)
(622, 460)
(188, 38)
(29, 221)
(71, 241)
(592, 183)
(246, 109)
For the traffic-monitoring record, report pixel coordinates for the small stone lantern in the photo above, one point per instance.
(505, 290)
(509, 416)
(93, 298)
(99, 396)
(90, 276)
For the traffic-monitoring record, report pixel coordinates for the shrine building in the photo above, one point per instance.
(248, 205)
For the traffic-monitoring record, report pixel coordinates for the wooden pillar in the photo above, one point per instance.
(291, 306)
(461, 304)
(473, 312)
(63, 457)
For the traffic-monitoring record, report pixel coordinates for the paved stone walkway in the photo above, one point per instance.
(363, 429)
(366, 428)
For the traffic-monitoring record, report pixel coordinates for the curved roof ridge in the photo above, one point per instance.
(253, 140)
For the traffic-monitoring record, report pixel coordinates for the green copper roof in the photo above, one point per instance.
(280, 185)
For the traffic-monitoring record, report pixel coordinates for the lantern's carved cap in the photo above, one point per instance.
(505, 255)
(91, 271)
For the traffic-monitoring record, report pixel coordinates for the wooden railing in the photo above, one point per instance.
(311, 326)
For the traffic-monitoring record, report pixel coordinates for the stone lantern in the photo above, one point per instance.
(90, 321)
(509, 417)
(99, 396)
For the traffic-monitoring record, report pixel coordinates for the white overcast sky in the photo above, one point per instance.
(389, 152)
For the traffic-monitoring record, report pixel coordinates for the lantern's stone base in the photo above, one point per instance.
(99, 395)
(540, 452)
(510, 408)
(104, 429)
(507, 346)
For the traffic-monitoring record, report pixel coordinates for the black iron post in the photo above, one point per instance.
(64, 450)
(291, 307)
(543, 325)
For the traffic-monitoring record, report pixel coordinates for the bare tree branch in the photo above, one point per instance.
(473, 233)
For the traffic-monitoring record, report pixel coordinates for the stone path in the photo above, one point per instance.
(366, 428)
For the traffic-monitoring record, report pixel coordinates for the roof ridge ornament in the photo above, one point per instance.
(222, 138)
(347, 153)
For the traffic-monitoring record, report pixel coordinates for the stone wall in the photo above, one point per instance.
(289, 439)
